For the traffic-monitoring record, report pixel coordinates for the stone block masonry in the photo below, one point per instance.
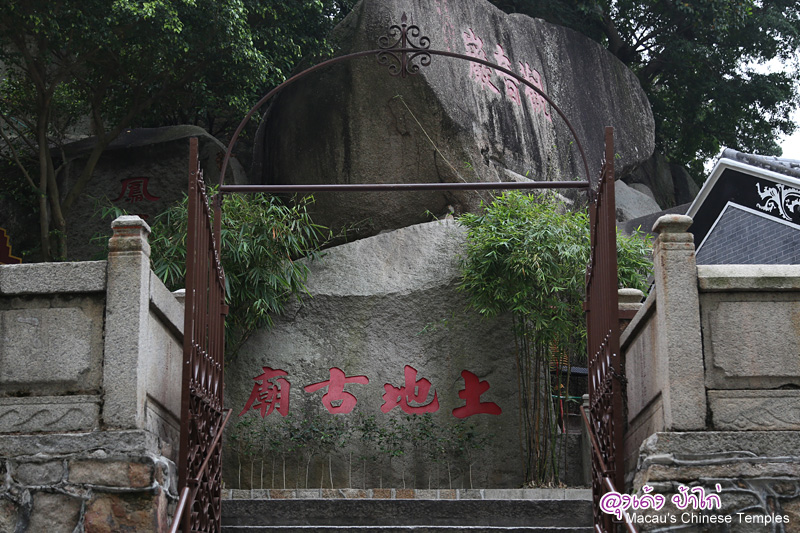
(90, 364)
(712, 372)
(102, 481)
(755, 474)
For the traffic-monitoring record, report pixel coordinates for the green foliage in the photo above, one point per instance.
(527, 255)
(262, 238)
(634, 260)
(694, 59)
(71, 67)
(392, 444)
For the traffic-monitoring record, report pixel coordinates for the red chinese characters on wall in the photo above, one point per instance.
(483, 74)
(135, 190)
(471, 394)
(413, 391)
(336, 400)
(512, 85)
(537, 101)
(271, 393)
(480, 73)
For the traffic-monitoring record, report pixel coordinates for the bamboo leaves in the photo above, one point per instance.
(527, 255)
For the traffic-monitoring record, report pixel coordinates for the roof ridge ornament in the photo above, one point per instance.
(781, 198)
(399, 41)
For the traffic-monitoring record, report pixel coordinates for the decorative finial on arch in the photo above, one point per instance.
(403, 45)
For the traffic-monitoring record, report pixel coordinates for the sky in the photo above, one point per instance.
(791, 145)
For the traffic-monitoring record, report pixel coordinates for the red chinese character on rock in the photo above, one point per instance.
(271, 391)
(336, 400)
(538, 103)
(478, 72)
(414, 390)
(512, 89)
(135, 190)
(471, 393)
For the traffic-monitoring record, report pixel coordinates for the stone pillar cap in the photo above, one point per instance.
(630, 296)
(128, 221)
(130, 235)
(672, 224)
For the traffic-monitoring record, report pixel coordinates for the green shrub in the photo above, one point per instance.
(526, 255)
(262, 238)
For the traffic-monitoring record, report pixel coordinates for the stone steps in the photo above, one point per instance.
(402, 516)
(404, 529)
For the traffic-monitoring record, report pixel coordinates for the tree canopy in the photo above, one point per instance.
(72, 67)
(104, 66)
(696, 60)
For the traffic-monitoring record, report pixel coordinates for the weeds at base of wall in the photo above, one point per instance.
(331, 452)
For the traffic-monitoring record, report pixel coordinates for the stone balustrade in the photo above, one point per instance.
(90, 374)
(712, 366)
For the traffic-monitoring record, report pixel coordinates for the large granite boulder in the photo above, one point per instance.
(667, 183)
(380, 306)
(454, 121)
(633, 203)
(143, 171)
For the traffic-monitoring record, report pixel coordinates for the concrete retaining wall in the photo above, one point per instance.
(386, 315)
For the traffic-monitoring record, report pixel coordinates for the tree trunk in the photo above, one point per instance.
(44, 154)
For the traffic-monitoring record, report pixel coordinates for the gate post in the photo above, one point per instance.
(126, 343)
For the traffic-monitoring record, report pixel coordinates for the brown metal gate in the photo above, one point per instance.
(202, 417)
(606, 390)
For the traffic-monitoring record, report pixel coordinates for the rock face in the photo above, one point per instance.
(381, 306)
(667, 183)
(143, 171)
(454, 121)
(633, 203)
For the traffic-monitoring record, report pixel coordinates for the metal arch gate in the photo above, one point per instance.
(202, 416)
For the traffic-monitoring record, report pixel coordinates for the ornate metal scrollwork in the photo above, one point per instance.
(396, 44)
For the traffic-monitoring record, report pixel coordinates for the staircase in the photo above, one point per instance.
(558, 511)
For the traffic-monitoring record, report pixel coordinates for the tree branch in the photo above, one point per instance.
(15, 156)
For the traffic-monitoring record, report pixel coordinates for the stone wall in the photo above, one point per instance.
(90, 373)
(385, 310)
(713, 372)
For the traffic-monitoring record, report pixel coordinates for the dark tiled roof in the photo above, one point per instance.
(789, 167)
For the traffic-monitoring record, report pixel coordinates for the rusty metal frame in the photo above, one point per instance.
(205, 309)
(606, 388)
(202, 416)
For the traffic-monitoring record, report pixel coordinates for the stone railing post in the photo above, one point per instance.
(127, 315)
(679, 348)
(630, 301)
